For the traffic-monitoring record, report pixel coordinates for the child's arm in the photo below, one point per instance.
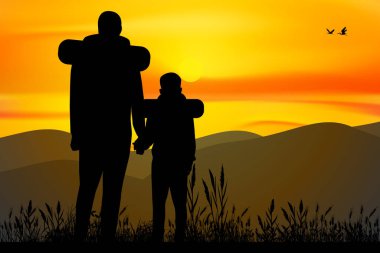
(149, 132)
(75, 107)
(191, 147)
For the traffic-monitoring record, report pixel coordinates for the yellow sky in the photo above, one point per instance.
(262, 66)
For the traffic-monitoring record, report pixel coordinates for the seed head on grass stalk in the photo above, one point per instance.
(221, 225)
(195, 226)
(268, 226)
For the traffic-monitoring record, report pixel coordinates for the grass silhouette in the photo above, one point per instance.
(319, 227)
(213, 223)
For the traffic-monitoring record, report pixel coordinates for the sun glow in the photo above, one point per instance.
(224, 51)
(189, 70)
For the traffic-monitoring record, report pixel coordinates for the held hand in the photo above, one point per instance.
(139, 151)
(138, 147)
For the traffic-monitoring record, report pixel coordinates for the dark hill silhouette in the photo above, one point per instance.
(34, 147)
(140, 166)
(40, 146)
(373, 128)
(44, 182)
(331, 163)
(58, 180)
(224, 137)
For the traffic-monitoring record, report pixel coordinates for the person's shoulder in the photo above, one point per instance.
(91, 38)
(183, 97)
(124, 40)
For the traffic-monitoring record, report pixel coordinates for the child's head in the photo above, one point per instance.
(109, 24)
(170, 83)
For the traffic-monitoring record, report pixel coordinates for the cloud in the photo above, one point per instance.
(359, 107)
(273, 122)
(33, 115)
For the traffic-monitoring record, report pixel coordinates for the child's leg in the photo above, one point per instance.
(178, 190)
(160, 189)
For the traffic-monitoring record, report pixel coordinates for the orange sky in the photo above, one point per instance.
(261, 66)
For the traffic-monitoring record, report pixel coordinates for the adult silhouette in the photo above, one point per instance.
(105, 88)
(170, 128)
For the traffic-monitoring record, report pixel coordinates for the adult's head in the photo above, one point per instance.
(170, 83)
(109, 24)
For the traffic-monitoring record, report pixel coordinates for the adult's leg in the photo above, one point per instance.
(113, 178)
(89, 176)
(160, 189)
(178, 189)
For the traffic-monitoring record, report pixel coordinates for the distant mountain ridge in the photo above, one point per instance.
(54, 181)
(328, 163)
(373, 128)
(224, 137)
(39, 146)
(34, 147)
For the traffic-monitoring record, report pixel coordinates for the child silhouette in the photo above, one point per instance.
(170, 128)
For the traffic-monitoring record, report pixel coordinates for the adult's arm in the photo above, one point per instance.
(137, 103)
(74, 107)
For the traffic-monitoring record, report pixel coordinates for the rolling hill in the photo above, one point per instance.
(139, 166)
(43, 146)
(34, 147)
(329, 163)
(373, 128)
(59, 180)
(225, 137)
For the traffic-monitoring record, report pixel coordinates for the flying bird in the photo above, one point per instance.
(330, 32)
(344, 31)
